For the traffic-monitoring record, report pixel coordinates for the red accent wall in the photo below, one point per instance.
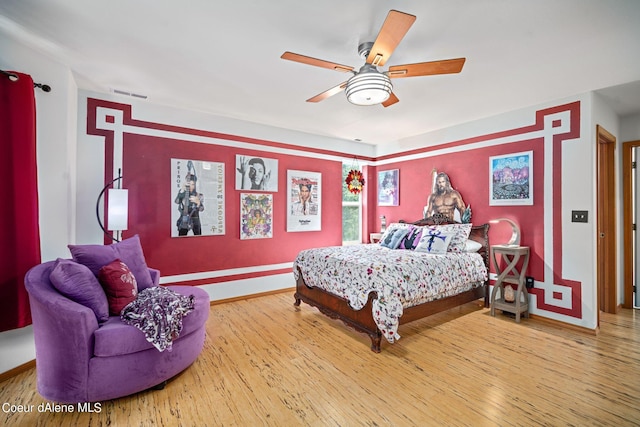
(469, 174)
(147, 176)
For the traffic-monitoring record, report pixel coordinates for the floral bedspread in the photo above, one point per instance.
(401, 278)
(158, 311)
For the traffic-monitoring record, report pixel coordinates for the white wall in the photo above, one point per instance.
(56, 117)
(630, 128)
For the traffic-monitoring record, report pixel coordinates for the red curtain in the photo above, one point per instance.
(20, 242)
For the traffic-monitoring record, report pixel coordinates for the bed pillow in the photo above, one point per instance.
(128, 251)
(460, 234)
(434, 241)
(412, 238)
(119, 285)
(392, 239)
(472, 246)
(391, 228)
(77, 282)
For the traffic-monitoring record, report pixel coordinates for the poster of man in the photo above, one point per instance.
(197, 198)
(256, 173)
(445, 200)
(303, 201)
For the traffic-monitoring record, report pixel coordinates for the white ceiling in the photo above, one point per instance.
(223, 56)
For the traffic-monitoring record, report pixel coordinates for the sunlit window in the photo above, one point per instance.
(351, 212)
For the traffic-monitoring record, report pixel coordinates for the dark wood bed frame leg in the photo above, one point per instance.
(375, 341)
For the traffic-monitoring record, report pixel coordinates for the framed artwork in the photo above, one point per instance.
(256, 216)
(304, 201)
(511, 179)
(389, 188)
(256, 173)
(197, 198)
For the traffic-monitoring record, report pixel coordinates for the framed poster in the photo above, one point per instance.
(256, 173)
(389, 188)
(197, 198)
(304, 201)
(256, 216)
(511, 179)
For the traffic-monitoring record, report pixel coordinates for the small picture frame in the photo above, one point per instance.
(256, 216)
(389, 187)
(511, 179)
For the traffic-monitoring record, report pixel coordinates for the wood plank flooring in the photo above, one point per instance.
(266, 363)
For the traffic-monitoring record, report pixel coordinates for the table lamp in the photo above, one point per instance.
(515, 236)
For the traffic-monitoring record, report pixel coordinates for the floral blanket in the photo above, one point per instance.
(401, 278)
(158, 313)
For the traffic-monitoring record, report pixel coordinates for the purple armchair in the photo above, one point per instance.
(79, 359)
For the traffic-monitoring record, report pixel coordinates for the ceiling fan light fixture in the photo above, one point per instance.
(368, 88)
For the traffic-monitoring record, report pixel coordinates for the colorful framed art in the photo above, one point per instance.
(511, 179)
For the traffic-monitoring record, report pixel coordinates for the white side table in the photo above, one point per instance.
(375, 237)
(511, 274)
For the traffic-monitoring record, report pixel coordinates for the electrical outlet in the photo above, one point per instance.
(579, 216)
(529, 283)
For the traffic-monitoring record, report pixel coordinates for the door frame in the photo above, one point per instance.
(606, 222)
(627, 220)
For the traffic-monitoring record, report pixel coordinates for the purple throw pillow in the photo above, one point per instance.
(128, 251)
(78, 283)
(411, 240)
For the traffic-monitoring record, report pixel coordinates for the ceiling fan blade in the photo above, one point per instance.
(327, 93)
(315, 62)
(393, 30)
(392, 100)
(447, 66)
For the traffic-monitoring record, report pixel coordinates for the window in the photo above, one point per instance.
(351, 212)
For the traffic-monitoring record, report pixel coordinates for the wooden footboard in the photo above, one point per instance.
(339, 308)
(362, 320)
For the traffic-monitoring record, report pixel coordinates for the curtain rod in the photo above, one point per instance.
(14, 77)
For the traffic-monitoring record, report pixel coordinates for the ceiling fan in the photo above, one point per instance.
(369, 86)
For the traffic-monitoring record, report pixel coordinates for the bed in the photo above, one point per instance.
(374, 289)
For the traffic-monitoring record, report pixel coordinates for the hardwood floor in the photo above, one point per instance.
(266, 363)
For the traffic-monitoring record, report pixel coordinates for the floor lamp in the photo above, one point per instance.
(117, 209)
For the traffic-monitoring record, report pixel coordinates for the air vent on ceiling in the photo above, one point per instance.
(124, 92)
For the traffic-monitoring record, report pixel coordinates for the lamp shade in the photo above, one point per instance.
(118, 209)
(368, 88)
(515, 231)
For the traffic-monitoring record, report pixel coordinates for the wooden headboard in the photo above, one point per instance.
(479, 233)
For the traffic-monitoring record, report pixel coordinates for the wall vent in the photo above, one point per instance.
(124, 92)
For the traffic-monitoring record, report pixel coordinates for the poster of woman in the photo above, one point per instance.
(197, 198)
(256, 216)
(388, 188)
(303, 201)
